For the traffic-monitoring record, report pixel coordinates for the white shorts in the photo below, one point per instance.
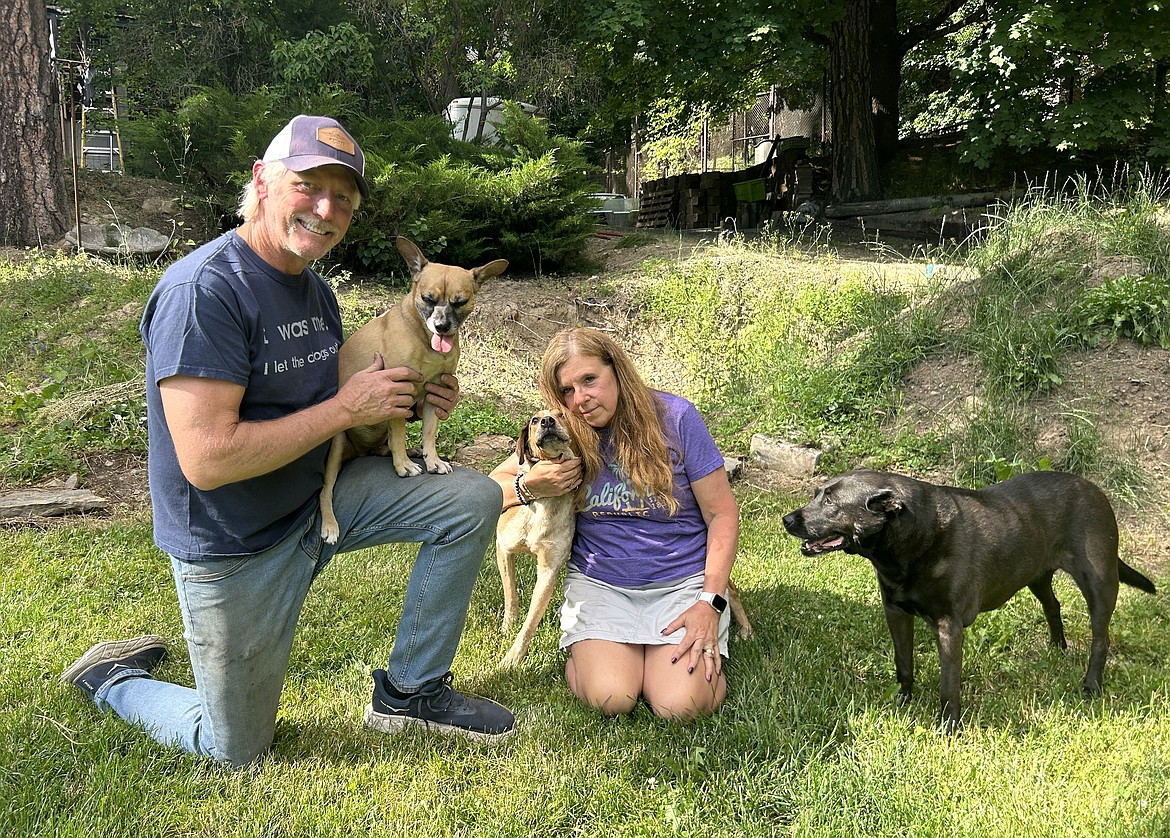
(594, 610)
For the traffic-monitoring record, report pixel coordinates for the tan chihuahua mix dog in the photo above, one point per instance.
(421, 332)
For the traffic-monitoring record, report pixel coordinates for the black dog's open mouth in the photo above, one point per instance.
(822, 545)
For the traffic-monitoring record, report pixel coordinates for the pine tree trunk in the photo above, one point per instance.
(854, 166)
(33, 198)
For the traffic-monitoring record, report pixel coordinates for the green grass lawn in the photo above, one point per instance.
(810, 742)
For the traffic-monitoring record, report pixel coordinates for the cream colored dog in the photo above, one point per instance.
(421, 332)
(544, 529)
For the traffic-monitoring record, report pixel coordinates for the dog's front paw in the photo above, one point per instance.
(409, 469)
(438, 466)
(513, 658)
(951, 725)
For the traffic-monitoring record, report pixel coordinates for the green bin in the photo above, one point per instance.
(749, 191)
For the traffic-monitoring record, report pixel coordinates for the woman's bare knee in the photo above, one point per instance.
(608, 697)
(603, 689)
(673, 693)
(611, 704)
(682, 706)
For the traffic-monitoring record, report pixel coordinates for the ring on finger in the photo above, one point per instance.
(710, 652)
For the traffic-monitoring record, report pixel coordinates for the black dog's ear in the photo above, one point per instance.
(883, 502)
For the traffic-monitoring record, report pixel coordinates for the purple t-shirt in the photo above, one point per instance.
(222, 312)
(624, 539)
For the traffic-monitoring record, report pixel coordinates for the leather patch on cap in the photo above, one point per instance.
(336, 138)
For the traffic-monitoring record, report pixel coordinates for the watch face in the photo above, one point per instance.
(714, 600)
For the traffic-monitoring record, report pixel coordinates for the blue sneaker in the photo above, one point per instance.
(113, 659)
(438, 707)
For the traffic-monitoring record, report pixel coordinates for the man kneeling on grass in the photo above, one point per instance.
(241, 367)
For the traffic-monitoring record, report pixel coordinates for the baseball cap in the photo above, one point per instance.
(311, 141)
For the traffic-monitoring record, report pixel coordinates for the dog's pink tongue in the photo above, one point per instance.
(441, 343)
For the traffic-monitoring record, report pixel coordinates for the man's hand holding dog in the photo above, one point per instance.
(376, 394)
(443, 394)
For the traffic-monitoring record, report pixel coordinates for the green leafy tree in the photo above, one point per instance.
(166, 50)
(1067, 76)
(717, 55)
(341, 58)
(432, 51)
(1061, 75)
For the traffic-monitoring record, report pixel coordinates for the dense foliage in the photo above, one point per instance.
(526, 201)
(1058, 80)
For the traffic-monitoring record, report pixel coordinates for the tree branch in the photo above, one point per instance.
(933, 27)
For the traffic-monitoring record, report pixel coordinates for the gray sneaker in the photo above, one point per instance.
(109, 659)
(438, 707)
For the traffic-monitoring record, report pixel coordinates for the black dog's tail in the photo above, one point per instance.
(1131, 577)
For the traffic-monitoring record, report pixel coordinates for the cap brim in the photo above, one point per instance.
(305, 162)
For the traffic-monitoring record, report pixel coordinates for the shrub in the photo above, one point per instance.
(460, 202)
(528, 205)
(1127, 307)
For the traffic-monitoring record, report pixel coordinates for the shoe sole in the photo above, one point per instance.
(109, 651)
(385, 723)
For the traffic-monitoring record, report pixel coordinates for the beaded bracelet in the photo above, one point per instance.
(519, 493)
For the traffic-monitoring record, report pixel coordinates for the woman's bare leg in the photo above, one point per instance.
(605, 674)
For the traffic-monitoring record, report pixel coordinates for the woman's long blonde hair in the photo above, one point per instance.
(637, 433)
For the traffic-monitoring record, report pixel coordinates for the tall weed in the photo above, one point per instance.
(75, 362)
(768, 350)
(1038, 294)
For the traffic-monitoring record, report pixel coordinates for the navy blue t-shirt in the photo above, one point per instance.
(223, 312)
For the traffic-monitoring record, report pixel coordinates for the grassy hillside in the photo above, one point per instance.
(858, 353)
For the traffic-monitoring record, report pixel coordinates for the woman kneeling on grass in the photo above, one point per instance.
(645, 593)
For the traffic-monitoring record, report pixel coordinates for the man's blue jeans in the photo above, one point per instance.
(240, 614)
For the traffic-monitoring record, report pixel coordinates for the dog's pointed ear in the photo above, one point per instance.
(883, 502)
(486, 272)
(413, 256)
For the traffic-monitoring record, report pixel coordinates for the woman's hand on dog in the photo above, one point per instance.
(700, 644)
(553, 478)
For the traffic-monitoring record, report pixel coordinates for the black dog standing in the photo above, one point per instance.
(946, 554)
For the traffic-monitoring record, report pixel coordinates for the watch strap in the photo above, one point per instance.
(716, 601)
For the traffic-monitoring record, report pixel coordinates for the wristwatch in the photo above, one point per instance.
(714, 600)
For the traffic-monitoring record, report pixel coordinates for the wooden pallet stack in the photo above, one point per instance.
(709, 201)
(658, 204)
(718, 202)
(687, 202)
